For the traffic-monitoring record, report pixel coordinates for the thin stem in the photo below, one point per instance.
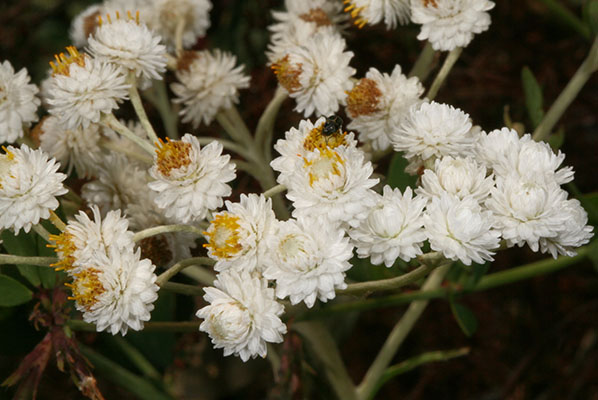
(178, 36)
(157, 230)
(275, 190)
(57, 222)
(17, 260)
(158, 96)
(139, 110)
(200, 275)
(136, 357)
(181, 265)
(233, 116)
(423, 65)
(569, 93)
(387, 284)
(112, 146)
(166, 326)
(398, 335)
(228, 145)
(265, 125)
(229, 127)
(110, 121)
(181, 288)
(449, 61)
(40, 230)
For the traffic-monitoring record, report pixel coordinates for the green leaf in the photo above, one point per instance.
(590, 16)
(477, 272)
(12, 292)
(397, 177)
(557, 139)
(533, 96)
(23, 244)
(464, 317)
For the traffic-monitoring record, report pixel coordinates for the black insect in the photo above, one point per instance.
(332, 125)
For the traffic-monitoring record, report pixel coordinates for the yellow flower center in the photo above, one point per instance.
(117, 15)
(223, 236)
(173, 154)
(363, 99)
(287, 74)
(65, 248)
(63, 61)
(315, 139)
(356, 13)
(329, 163)
(86, 287)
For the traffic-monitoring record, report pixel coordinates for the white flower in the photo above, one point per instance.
(130, 44)
(461, 177)
(460, 229)
(83, 239)
(434, 130)
(393, 228)
(308, 259)
(298, 142)
(117, 184)
(115, 291)
(448, 24)
(209, 82)
(378, 103)
(237, 237)
(190, 180)
(333, 184)
(77, 148)
(165, 15)
(18, 102)
(574, 232)
(525, 211)
(29, 184)
(373, 11)
(316, 74)
(85, 24)
(504, 152)
(83, 88)
(242, 315)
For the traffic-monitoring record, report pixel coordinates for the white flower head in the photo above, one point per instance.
(378, 103)
(237, 238)
(166, 15)
(434, 130)
(85, 24)
(18, 102)
(74, 148)
(316, 74)
(497, 148)
(460, 229)
(308, 259)
(527, 210)
(209, 81)
(129, 43)
(334, 184)
(448, 24)
(392, 229)
(574, 232)
(298, 142)
(190, 180)
(242, 315)
(372, 12)
(461, 177)
(115, 291)
(29, 184)
(83, 88)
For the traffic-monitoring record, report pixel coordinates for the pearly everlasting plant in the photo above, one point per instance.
(317, 180)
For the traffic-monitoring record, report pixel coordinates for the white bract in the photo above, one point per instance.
(392, 229)
(29, 185)
(574, 232)
(372, 12)
(242, 315)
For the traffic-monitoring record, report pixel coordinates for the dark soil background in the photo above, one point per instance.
(537, 339)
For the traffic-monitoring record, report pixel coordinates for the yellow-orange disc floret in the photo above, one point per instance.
(315, 139)
(363, 99)
(86, 287)
(117, 14)
(63, 61)
(287, 74)
(223, 236)
(172, 155)
(355, 12)
(65, 248)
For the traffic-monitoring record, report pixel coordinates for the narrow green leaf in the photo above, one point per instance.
(590, 14)
(465, 318)
(533, 96)
(557, 139)
(12, 292)
(23, 244)
(397, 177)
